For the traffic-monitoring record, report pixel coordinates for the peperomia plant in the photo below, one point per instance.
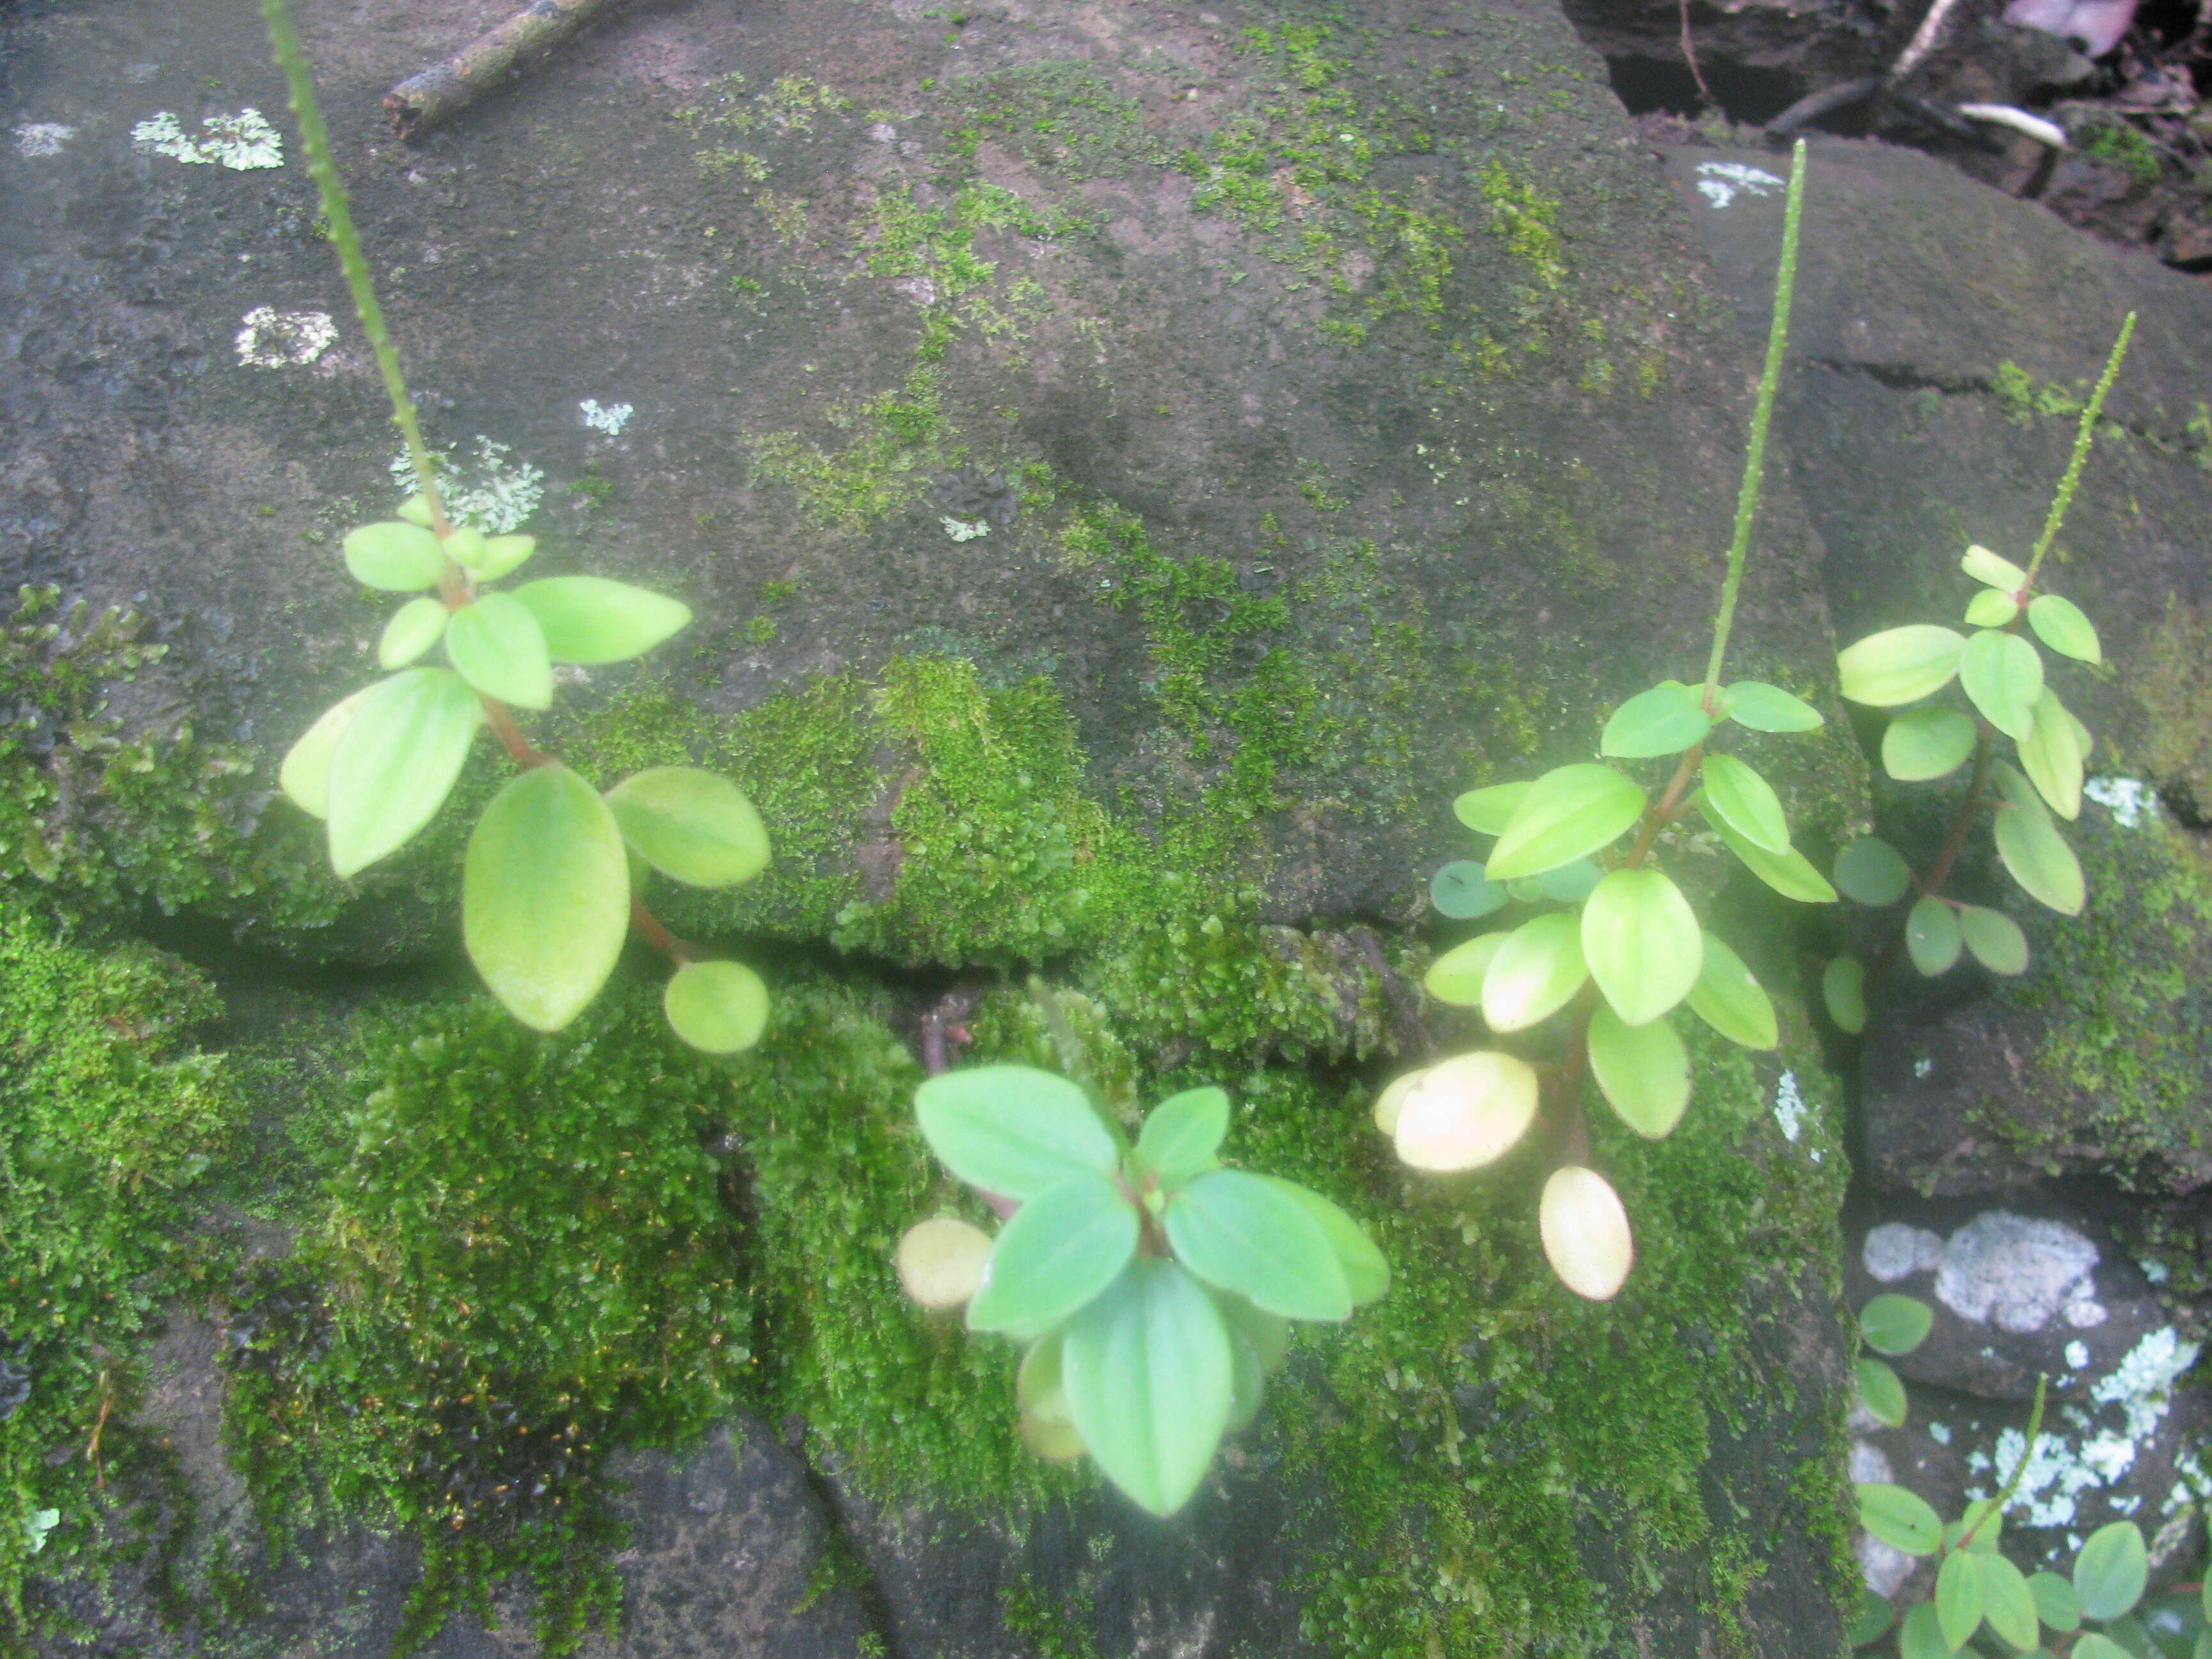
(1894, 1325)
(1594, 979)
(2002, 675)
(549, 884)
(1152, 1286)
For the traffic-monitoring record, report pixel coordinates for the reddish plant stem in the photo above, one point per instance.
(648, 927)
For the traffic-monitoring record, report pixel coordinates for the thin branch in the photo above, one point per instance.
(423, 101)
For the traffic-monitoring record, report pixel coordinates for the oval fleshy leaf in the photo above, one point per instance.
(2050, 754)
(1571, 884)
(1568, 814)
(414, 629)
(2110, 1571)
(1366, 1272)
(1456, 977)
(546, 896)
(1244, 1234)
(1585, 1232)
(1872, 1620)
(1842, 989)
(2008, 1603)
(489, 557)
(693, 825)
(1730, 1000)
(495, 645)
(395, 556)
(1012, 1130)
(1183, 1134)
(1871, 871)
(1643, 1072)
(1487, 812)
(1461, 891)
(395, 762)
(1060, 1250)
(1790, 874)
(1745, 802)
(1534, 974)
(1994, 937)
(1900, 665)
(1466, 1112)
(1881, 1392)
(589, 619)
(1991, 609)
(2032, 851)
(1257, 1343)
(2059, 624)
(1762, 708)
(2054, 1603)
(940, 1260)
(2002, 675)
(1901, 1519)
(718, 1007)
(1895, 1324)
(1922, 744)
(1958, 1597)
(1664, 720)
(1391, 1099)
(1642, 942)
(1986, 568)
(1921, 1635)
(305, 774)
(1147, 1369)
(1932, 937)
(415, 509)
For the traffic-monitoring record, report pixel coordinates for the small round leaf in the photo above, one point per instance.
(1061, 1250)
(2110, 1571)
(1923, 744)
(1932, 936)
(396, 557)
(1900, 665)
(1642, 942)
(1881, 1392)
(1487, 812)
(1466, 1112)
(1456, 977)
(414, 629)
(1245, 1235)
(1901, 1519)
(1994, 937)
(1643, 1072)
(495, 645)
(940, 1260)
(718, 1007)
(2002, 675)
(1991, 609)
(1181, 1134)
(1463, 892)
(395, 760)
(1871, 871)
(1585, 1232)
(1391, 1100)
(305, 775)
(2056, 1605)
(1012, 1130)
(1895, 1324)
(1843, 989)
(693, 825)
(489, 557)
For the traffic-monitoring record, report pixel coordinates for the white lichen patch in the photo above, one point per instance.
(1893, 1251)
(2017, 1272)
(966, 529)
(282, 339)
(2129, 800)
(2077, 1355)
(241, 141)
(1789, 1106)
(1940, 1433)
(1721, 182)
(491, 492)
(609, 418)
(42, 137)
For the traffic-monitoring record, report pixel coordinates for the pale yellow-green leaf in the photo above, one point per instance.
(590, 620)
(1987, 567)
(395, 762)
(305, 775)
(414, 629)
(1585, 1232)
(1641, 943)
(718, 1007)
(1643, 1072)
(693, 825)
(1534, 974)
(399, 558)
(1900, 665)
(497, 646)
(1730, 1000)
(2050, 754)
(1465, 1112)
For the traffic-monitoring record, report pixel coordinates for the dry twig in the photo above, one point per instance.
(423, 101)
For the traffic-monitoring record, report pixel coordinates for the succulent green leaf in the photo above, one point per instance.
(1745, 802)
(1456, 977)
(1524, 889)
(1642, 942)
(395, 762)
(2110, 1571)
(2056, 1606)
(1643, 1072)
(1871, 871)
(1487, 812)
(1921, 1635)
(1958, 1597)
(1568, 814)
(1534, 974)
(2094, 1644)
(1182, 1134)
(414, 629)
(2050, 754)
(1881, 1392)
(2059, 624)
(1900, 1518)
(465, 545)
(1790, 874)
(590, 619)
(1257, 1342)
(1991, 609)
(1039, 1385)
(1461, 891)
(1763, 707)
(305, 774)
(1730, 1000)
(1932, 936)
(1900, 665)
(1872, 1621)
(2008, 1603)
(396, 557)
(1571, 884)
(1147, 1369)
(1061, 1250)
(1994, 937)
(1842, 989)
(718, 1007)
(1245, 1235)
(1012, 1130)
(2032, 851)
(691, 824)
(496, 646)
(1664, 720)
(1986, 568)
(1895, 1324)
(489, 557)
(546, 896)
(2002, 675)
(1366, 1272)
(415, 509)
(1922, 744)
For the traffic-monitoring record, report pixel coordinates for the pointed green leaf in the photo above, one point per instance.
(1183, 1134)
(489, 557)
(1895, 1324)
(2059, 624)
(1881, 1392)
(1987, 1526)
(1487, 812)
(1871, 871)
(305, 775)
(1463, 892)
(1986, 568)
(1745, 802)
(718, 1007)
(1534, 974)
(1994, 937)
(1643, 1072)
(1764, 707)
(1642, 942)
(1872, 1621)
(495, 645)
(1728, 999)
(691, 824)
(1456, 977)
(1991, 609)
(1958, 1597)
(399, 558)
(1791, 874)
(590, 619)
(1257, 1342)
(1664, 720)
(2002, 675)
(414, 629)
(1922, 744)
(2094, 1644)
(2110, 1571)
(2056, 1607)
(1567, 814)
(2050, 754)
(1242, 1234)
(416, 510)
(1061, 1250)
(2031, 848)
(1012, 1130)
(2008, 1603)
(1366, 1273)
(1571, 884)
(1147, 1369)
(1842, 989)
(1921, 1635)
(1899, 666)
(395, 762)
(1901, 1519)
(546, 896)
(1932, 936)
